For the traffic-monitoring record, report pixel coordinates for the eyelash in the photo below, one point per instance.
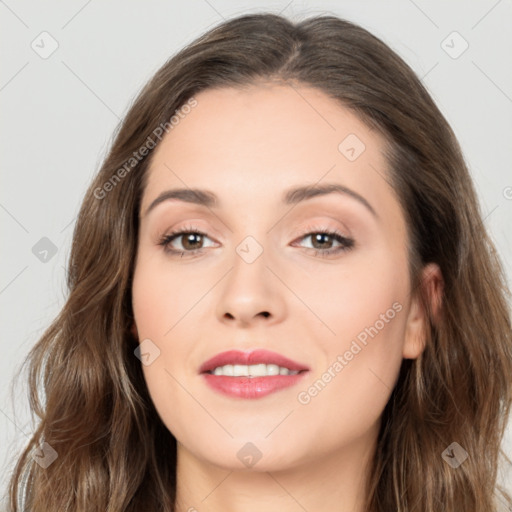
(346, 243)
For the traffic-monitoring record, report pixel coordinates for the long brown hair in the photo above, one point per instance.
(113, 451)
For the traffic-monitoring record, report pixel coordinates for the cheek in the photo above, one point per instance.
(156, 305)
(163, 303)
(160, 298)
(347, 396)
(365, 308)
(352, 296)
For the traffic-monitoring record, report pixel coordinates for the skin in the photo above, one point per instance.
(248, 146)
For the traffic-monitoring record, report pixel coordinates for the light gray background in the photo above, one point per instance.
(58, 115)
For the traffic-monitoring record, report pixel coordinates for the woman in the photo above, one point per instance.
(212, 355)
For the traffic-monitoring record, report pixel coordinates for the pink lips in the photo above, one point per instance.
(250, 357)
(251, 387)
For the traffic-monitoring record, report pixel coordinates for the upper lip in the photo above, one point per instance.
(250, 357)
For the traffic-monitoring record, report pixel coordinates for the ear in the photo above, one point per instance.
(416, 326)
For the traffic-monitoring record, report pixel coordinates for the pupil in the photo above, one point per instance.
(190, 240)
(319, 238)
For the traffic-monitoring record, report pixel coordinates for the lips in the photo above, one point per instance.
(251, 387)
(249, 358)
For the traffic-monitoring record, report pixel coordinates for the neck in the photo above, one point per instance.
(333, 482)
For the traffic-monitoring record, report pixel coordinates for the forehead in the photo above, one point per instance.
(254, 142)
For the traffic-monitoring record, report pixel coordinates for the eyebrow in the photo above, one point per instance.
(292, 196)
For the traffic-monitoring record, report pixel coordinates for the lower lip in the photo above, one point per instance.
(251, 387)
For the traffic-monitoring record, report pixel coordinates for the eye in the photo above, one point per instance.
(190, 243)
(322, 241)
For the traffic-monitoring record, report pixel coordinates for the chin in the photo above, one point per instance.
(246, 453)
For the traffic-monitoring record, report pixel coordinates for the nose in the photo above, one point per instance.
(251, 294)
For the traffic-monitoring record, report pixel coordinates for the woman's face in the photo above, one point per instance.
(266, 276)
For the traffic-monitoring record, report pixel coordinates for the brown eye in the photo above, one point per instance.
(322, 242)
(319, 240)
(191, 240)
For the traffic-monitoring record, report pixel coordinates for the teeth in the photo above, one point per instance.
(253, 370)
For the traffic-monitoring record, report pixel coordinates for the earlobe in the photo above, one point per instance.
(416, 327)
(415, 336)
